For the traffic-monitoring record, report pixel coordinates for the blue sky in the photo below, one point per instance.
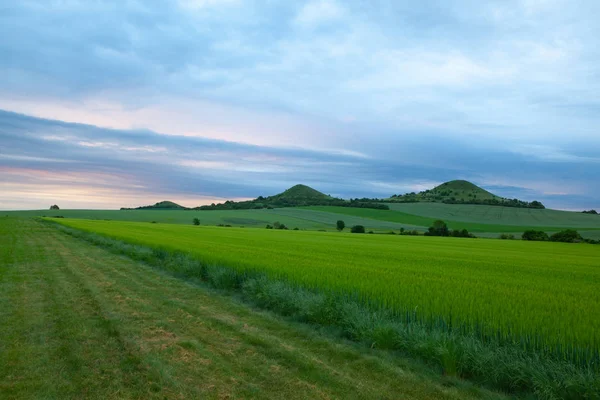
(122, 103)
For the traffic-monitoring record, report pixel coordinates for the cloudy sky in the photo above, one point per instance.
(106, 104)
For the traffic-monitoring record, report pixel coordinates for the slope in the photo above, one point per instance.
(461, 192)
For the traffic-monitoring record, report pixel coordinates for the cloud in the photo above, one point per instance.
(319, 12)
(393, 92)
(42, 157)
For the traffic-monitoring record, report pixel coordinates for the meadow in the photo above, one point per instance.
(474, 218)
(494, 215)
(543, 296)
(79, 322)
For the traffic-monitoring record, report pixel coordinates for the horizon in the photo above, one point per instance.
(107, 105)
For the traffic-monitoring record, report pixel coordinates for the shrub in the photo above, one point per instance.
(439, 228)
(568, 236)
(278, 225)
(461, 233)
(357, 229)
(507, 236)
(196, 221)
(340, 225)
(269, 226)
(535, 235)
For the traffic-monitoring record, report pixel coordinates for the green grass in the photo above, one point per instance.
(544, 295)
(80, 322)
(248, 218)
(479, 218)
(292, 217)
(494, 215)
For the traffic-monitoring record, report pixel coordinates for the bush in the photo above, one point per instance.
(357, 229)
(54, 207)
(507, 236)
(278, 225)
(531, 234)
(461, 233)
(340, 225)
(439, 228)
(196, 221)
(269, 226)
(567, 236)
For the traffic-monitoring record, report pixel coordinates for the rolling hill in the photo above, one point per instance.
(296, 196)
(161, 205)
(461, 192)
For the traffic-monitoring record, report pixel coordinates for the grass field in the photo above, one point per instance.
(79, 322)
(495, 215)
(484, 219)
(291, 217)
(544, 294)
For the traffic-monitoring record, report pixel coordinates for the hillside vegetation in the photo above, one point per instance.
(161, 205)
(296, 196)
(461, 192)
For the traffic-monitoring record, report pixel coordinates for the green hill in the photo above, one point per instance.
(296, 196)
(161, 205)
(461, 192)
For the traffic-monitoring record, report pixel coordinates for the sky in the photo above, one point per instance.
(108, 104)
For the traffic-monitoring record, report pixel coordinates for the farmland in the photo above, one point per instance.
(543, 293)
(80, 322)
(495, 215)
(485, 221)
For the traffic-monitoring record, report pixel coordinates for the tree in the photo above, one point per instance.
(340, 225)
(54, 207)
(568, 236)
(535, 235)
(439, 228)
(357, 229)
(196, 221)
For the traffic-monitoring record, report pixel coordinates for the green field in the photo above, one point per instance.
(495, 215)
(78, 322)
(291, 217)
(483, 219)
(545, 294)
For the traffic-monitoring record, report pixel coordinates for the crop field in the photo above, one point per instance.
(494, 215)
(543, 295)
(478, 225)
(78, 322)
(250, 218)
(291, 217)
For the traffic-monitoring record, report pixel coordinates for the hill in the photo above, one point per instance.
(461, 192)
(299, 193)
(161, 205)
(296, 196)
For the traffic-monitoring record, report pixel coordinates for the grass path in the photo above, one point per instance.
(79, 322)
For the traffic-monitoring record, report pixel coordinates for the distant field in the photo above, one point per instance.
(250, 218)
(291, 217)
(485, 221)
(543, 293)
(495, 215)
(490, 217)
